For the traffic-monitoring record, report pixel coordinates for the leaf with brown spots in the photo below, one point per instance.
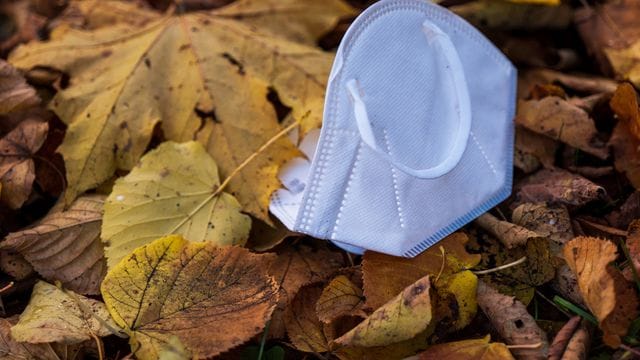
(402, 318)
(17, 169)
(557, 185)
(385, 276)
(211, 298)
(10, 349)
(475, 349)
(205, 75)
(610, 297)
(558, 119)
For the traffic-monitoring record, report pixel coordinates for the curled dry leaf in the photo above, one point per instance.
(624, 104)
(65, 245)
(533, 150)
(476, 349)
(55, 315)
(513, 322)
(174, 190)
(633, 244)
(400, 319)
(386, 276)
(340, 297)
(557, 185)
(215, 82)
(562, 338)
(15, 93)
(551, 221)
(298, 265)
(10, 349)
(558, 119)
(609, 296)
(580, 342)
(211, 298)
(625, 139)
(626, 213)
(17, 169)
(304, 328)
(581, 83)
(572, 341)
(510, 235)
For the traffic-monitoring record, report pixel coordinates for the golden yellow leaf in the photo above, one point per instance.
(400, 319)
(610, 297)
(211, 299)
(213, 70)
(65, 245)
(53, 315)
(386, 276)
(476, 349)
(174, 190)
(340, 297)
(455, 305)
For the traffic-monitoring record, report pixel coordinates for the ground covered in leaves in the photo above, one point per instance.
(140, 142)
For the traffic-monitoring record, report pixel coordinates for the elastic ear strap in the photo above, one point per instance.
(444, 47)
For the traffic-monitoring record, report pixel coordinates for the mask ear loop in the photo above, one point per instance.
(444, 47)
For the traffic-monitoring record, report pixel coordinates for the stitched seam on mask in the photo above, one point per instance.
(484, 155)
(323, 154)
(394, 177)
(346, 191)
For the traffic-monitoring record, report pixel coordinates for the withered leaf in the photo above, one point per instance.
(15, 93)
(339, 298)
(558, 119)
(10, 349)
(402, 318)
(633, 244)
(304, 328)
(569, 342)
(551, 221)
(386, 276)
(626, 152)
(512, 321)
(557, 185)
(510, 235)
(533, 150)
(624, 104)
(191, 290)
(17, 169)
(66, 246)
(54, 315)
(509, 15)
(475, 349)
(609, 296)
(581, 83)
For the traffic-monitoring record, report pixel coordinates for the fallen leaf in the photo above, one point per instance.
(400, 319)
(512, 321)
(557, 186)
(589, 84)
(557, 119)
(65, 245)
(533, 150)
(24, 20)
(55, 315)
(560, 342)
(624, 104)
(626, 152)
(455, 302)
(510, 16)
(218, 76)
(14, 265)
(386, 276)
(609, 296)
(17, 169)
(339, 298)
(551, 221)
(95, 14)
(174, 287)
(475, 349)
(627, 212)
(174, 190)
(174, 350)
(297, 265)
(15, 93)
(536, 270)
(510, 235)
(264, 237)
(633, 245)
(10, 349)
(304, 328)
(579, 344)
(396, 351)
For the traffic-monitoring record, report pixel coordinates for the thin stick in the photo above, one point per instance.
(634, 351)
(9, 286)
(525, 346)
(444, 260)
(99, 344)
(501, 267)
(275, 138)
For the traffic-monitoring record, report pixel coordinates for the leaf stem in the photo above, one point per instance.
(501, 267)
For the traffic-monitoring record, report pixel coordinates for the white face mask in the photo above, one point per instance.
(417, 136)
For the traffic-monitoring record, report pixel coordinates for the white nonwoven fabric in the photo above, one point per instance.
(417, 134)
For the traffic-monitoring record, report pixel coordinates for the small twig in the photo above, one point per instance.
(501, 267)
(350, 258)
(634, 351)
(100, 346)
(525, 346)
(444, 260)
(7, 287)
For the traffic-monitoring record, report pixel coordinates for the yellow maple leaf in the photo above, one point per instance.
(174, 190)
(210, 298)
(210, 70)
(475, 349)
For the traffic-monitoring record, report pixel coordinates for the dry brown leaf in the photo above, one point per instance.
(626, 152)
(15, 93)
(510, 235)
(558, 119)
(609, 296)
(557, 185)
(475, 349)
(626, 213)
(264, 237)
(551, 221)
(589, 84)
(624, 104)
(339, 298)
(11, 349)
(533, 150)
(513, 322)
(562, 338)
(633, 245)
(572, 341)
(14, 265)
(304, 329)
(385, 276)
(509, 16)
(66, 246)
(26, 22)
(579, 345)
(17, 169)
(298, 265)
(402, 318)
